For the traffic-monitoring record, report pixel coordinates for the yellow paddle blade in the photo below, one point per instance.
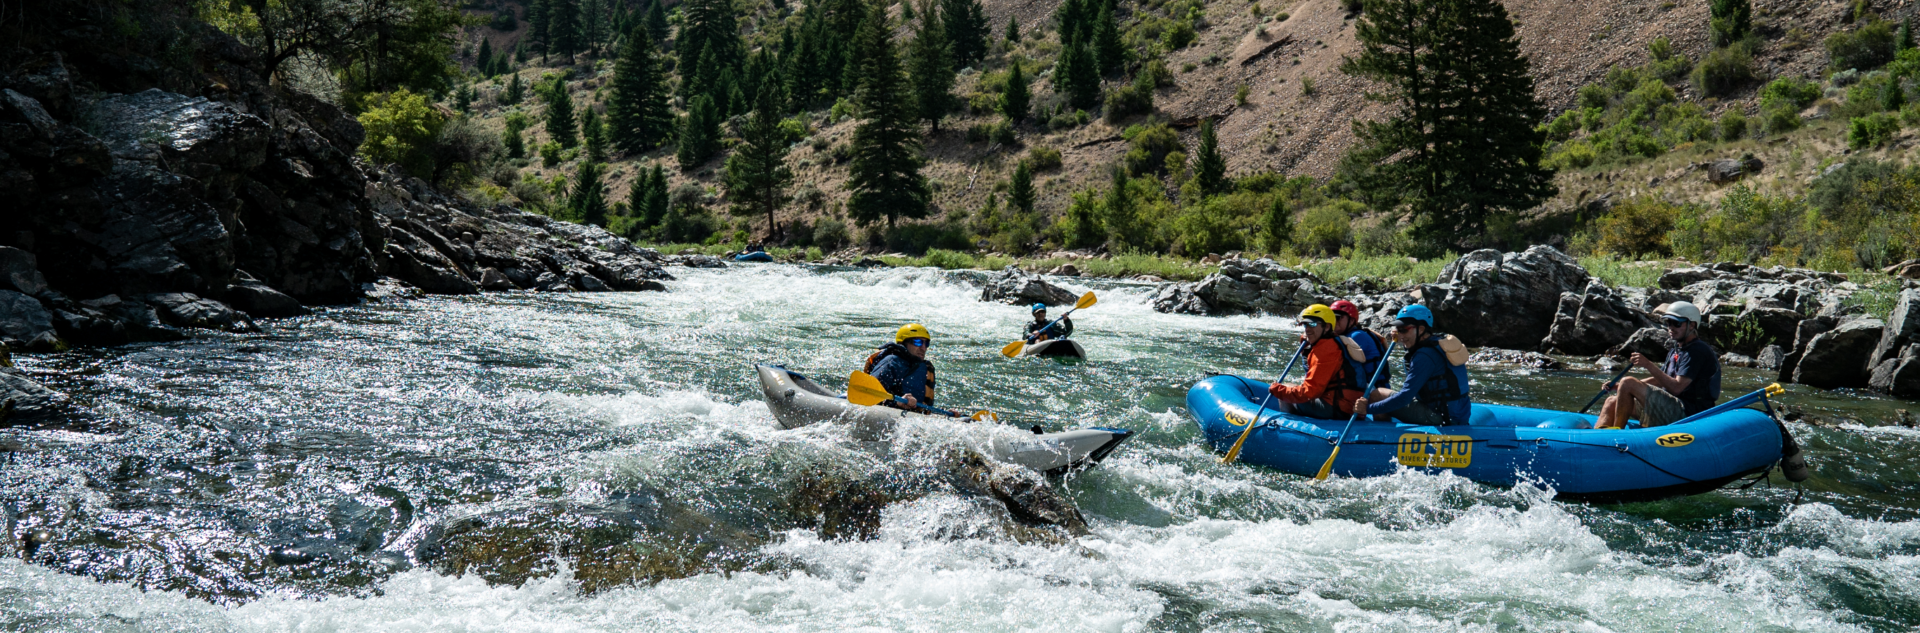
(1327, 468)
(865, 390)
(984, 415)
(1086, 301)
(1013, 349)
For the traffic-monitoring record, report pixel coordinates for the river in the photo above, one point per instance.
(308, 479)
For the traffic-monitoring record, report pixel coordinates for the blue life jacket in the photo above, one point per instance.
(1361, 350)
(1445, 394)
(902, 374)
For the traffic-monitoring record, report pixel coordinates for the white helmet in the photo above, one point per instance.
(1681, 310)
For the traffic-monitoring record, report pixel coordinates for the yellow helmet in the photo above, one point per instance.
(1320, 312)
(911, 330)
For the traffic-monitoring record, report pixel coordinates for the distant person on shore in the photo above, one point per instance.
(1688, 384)
(902, 367)
(1358, 341)
(1329, 387)
(1437, 388)
(1042, 330)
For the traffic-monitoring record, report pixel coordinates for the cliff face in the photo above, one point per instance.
(155, 182)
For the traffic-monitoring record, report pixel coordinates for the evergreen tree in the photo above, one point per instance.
(593, 134)
(709, 42)
(1903, 39)
(657, 196)
(757, 172)
(1076, 75)
(966, 30)
(589, 199)
(1463, 143)
(1109, 53)
(1014, 103)
(1729, 22)
(483, 61)
(1070, 20)
(1013, 29)
(1209, 167)
(563, 28)
(520, 52)
(560, 119)
(593, 24)
(638, 112)
(1277, 226)
(932, 68)
(884, 177)
(699, 133)
(537, 22)
(516, 147)
(1117, 213)
(657, 22)
(1020, 189)
(515, 92)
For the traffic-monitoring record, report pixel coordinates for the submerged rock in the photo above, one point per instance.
(24, 401)
(1528, 360)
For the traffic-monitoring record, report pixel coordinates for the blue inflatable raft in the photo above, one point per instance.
(756, 256)
(1503, 446)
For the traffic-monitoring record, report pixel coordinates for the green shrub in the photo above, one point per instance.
(1148, 148)
(1134, 99)
(830, 234)
(1864, 49)
(1207, 228)
(1178, 35)
(1043, 158)
(1782, 120)
(400, 128)
(1733, 126)
(1636, 228)
(1327, 228)
(1381, 239)
(1724, 70)
(1872, 130)
(1791, 92)
(1666, 63)
(550, 154)
(1572, 155)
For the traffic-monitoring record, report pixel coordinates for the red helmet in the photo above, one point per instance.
(1346, 307)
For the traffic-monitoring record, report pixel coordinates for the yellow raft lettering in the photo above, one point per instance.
(1674, 440)
(1436, 451)
(1234, 419)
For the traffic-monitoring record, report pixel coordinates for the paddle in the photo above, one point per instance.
(865, 390)
(1327, 468)
(1234, 453)
(1086, 301)
(1766, 392)
(1606, 387)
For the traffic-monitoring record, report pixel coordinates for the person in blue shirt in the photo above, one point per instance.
(1038, 331)
(1436, 390)
(903, 369)
(1358, 343)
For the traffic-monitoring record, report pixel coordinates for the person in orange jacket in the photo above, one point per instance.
(1329, 388)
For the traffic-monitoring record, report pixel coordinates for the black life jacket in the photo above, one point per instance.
(1445, 388)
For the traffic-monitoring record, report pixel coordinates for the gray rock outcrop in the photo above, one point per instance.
(23, 401)
(1017, 287)
(1243, 286)
(1491, 299)
(1593, 319)
(1838, 358)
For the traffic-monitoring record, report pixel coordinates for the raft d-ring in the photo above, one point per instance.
(1622, 447)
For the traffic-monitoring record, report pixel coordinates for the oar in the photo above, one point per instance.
(1605, 387)
(865, 390)
(1327, 468)
(1234, 453)
(1086, 301)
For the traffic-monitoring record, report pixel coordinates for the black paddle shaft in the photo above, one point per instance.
(1604, 388)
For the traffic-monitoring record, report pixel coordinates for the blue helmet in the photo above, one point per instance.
(1415, 312)
(1039, 307)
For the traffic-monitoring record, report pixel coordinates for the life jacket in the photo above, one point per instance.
(920, 379)
(1360, 362)
(1343, 378)
(1450, 385)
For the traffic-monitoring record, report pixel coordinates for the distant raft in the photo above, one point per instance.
(1056, 348)
(797, 401)
(1503, 446)
(756, 256)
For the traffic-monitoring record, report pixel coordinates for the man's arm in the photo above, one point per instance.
(1671, 384)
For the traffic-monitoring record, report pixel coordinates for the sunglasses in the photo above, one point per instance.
(1404, 327)
(1674, 324)
(919, 342)
(1311, 324)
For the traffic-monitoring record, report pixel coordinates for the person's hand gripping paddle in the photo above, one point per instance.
(1013, 349)
(1234, 453)
(1327, 468)
(865, 390)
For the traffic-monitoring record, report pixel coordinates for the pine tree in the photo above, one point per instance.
(563, 28)
(520, 52)
(657, 22)
(1108, 51)
(1463, 143)
(1117, 213)
(516, 123)
(931, 66)
(1277, 226)
(483, 61)
(884, 177)
(699, 133)
(593, 134)
(1076, 76)
(1729, 22)
(1020, 189)
(560, 119)
(593, 24)
(1013, 29)
(514, 92)
(1014, 103)
(589, 199)
(638, 114)
(709, 42)
(656, 200)
(757, 172)
(1903, 39)
(966, 30)
(1070, 20)
(537, 23)
(1209, 167)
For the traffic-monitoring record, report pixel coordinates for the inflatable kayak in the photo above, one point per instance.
(797, 401)
(756, 256)
(1503, 445)
(1056, 348)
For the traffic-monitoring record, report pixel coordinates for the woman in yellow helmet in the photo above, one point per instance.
(1329, 389)
(902, 367)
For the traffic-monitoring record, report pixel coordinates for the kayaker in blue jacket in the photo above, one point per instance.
(1038, 331)
(902, 367)
(1688, 384)
(1437, 387)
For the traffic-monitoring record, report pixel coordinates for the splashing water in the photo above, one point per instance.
(323, 476)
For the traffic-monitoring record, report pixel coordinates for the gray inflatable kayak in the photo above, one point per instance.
(797, 401)
(1056, 348)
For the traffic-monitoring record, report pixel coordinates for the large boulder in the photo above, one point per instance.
(19, 270)
(1017, 287)
(1491, 299)
(1898, 376)
(1903, 328)
(184, 309)
(23, 319)
(1177, 298)
(1243, 286)
(258, 299)
(1650, 342)
(1838, 359)
(22, 400)
(1802, 336)
(1590, 321)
